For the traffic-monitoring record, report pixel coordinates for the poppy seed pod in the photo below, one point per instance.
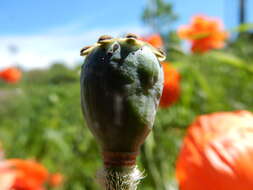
(121, 85)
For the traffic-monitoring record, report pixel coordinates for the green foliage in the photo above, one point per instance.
(242, 46)
(159, 15)
(43, 121)
(41, 117)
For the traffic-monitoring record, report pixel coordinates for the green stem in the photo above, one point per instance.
(149, 163)
(119, 178)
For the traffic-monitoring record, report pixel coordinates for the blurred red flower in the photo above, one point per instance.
(204, 33)
(154, 39)
(56, 179)
(30, 175)
(171, 89)
(7, 176)
(18, 174)
(11, 75)
(217, 153)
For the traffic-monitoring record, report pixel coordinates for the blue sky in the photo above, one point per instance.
(51, 30)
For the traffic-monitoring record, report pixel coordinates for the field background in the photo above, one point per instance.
(40, 117)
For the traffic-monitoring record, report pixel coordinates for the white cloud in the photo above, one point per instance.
(57, 44)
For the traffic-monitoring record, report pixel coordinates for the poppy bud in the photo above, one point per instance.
(121, 85)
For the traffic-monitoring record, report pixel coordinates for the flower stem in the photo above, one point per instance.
(119, 177)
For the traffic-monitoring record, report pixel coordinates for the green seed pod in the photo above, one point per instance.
(121, 85)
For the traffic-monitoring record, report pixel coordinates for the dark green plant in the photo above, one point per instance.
(159, 15)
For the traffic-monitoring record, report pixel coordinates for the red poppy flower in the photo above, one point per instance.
(171, 89)
(155, 40)
(56, 179)
(7, 176)
(11, 75)
(217, 153)
(204, 33)
(30, 175)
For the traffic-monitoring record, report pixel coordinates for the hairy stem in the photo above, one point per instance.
(119, 178)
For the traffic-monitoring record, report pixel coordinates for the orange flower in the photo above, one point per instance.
(171, 89)
(155, 40)
(11, 75)
(7, 176)
(56, 179)
(30, 175)
(204, 33)
(217, 153)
